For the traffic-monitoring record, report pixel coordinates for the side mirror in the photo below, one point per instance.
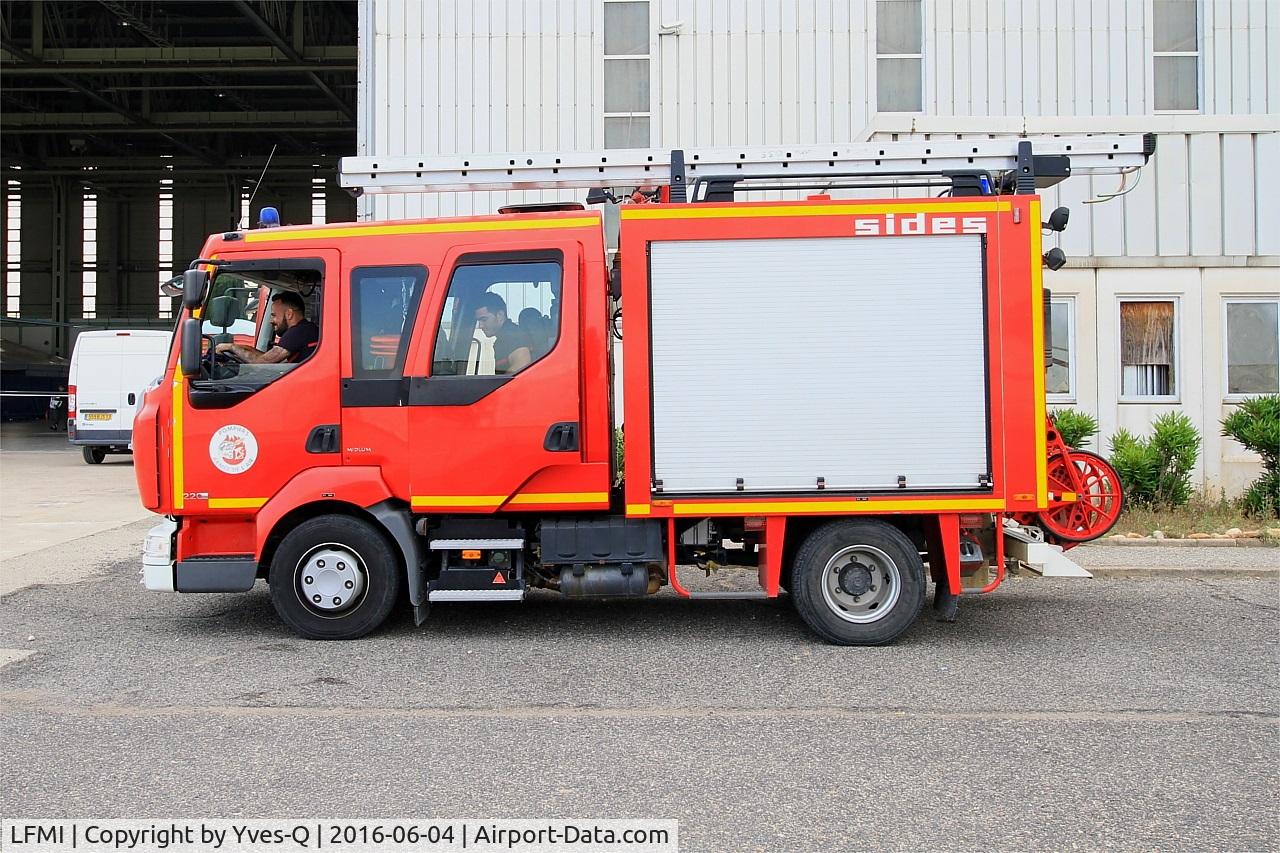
(1055, 258)
(172, 287)
(220, 311)
(190, 350)
(193, 285)
(1058, 219)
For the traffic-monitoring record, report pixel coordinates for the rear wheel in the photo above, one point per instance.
(858, 583)
(94, 455)
(334, 577)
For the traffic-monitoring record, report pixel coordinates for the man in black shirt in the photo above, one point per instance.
(512, 350)
(298, 336)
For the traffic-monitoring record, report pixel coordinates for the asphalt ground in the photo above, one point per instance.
(1132, 713)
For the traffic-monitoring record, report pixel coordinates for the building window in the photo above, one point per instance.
(899, 56)
(13, 249)
(1175, 60)
(89, 257)
(1148, 351)
(164, 252)
(1060, 372)
(317, 201)
(628, 105)
(1253, 346)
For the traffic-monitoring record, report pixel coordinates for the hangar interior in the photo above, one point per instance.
(131, 130)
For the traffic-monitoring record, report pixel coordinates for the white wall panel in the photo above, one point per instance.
(1205, 194)
(1267, 192)
(515, 75)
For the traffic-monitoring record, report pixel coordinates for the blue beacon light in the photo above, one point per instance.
(268, 217)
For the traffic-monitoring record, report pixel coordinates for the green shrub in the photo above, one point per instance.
(1256, 425)
(1075, 427)
(1156, 471)
(1262, 498)
(618, 455)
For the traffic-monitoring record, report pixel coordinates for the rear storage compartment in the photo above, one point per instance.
(819, 364)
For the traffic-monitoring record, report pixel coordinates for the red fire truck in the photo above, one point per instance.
(844, 394)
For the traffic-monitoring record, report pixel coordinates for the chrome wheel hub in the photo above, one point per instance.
(331, 578)
(861, 584)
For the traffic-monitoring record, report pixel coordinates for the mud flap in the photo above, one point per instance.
(945, 603)
(397, 522)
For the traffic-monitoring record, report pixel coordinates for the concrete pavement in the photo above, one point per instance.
(1052, 715)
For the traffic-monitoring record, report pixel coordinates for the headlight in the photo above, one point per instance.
(156, 545)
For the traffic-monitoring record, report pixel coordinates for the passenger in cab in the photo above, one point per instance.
(296, 335)
(512, 350)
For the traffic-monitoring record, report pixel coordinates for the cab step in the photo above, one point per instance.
(478, 567)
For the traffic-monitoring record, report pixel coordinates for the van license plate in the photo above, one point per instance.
(98, 416)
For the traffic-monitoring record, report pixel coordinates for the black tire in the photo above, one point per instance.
(94, 455)
(880, 557)
(375, 558)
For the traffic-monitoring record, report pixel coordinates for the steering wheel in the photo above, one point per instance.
(213, 358)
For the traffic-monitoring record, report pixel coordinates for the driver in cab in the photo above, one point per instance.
(296, 335)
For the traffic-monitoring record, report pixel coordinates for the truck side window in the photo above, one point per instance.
(384, 301)
(498, 318)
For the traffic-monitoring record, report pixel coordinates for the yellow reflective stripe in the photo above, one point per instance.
(272, 234)
(456, 500)
(1068, 497)
(851, 506)
(522, 498)
(236, 503)
(1037, 357)
(638, 509)
(737, 212)
(177, 437)
(560, 498)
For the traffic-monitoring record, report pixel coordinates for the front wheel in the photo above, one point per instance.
(334, 577)
(858, 583)
(94, 455)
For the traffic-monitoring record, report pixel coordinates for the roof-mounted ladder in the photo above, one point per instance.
(1010, 164)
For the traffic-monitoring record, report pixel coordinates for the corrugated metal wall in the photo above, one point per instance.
(526, 75)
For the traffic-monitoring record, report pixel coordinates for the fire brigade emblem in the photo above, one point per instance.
(233, 449)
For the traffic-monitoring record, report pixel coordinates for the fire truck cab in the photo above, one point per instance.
(845, 395)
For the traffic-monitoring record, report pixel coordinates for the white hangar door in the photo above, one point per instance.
(860, 360)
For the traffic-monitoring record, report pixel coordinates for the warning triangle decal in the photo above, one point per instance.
(498, 578)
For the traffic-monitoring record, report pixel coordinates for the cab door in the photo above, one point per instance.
(483, 438)
(245, 432)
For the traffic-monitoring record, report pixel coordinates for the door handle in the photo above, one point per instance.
(323, 439)
(562, 437)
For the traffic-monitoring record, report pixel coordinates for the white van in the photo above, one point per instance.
(109, 372)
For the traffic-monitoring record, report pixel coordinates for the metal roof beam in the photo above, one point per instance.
(99, 69)
(319, 54)
(114, 119)
(287, 49)
(140, 123)
(96, 129)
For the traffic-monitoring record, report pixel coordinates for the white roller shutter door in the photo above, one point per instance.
(859, 360)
